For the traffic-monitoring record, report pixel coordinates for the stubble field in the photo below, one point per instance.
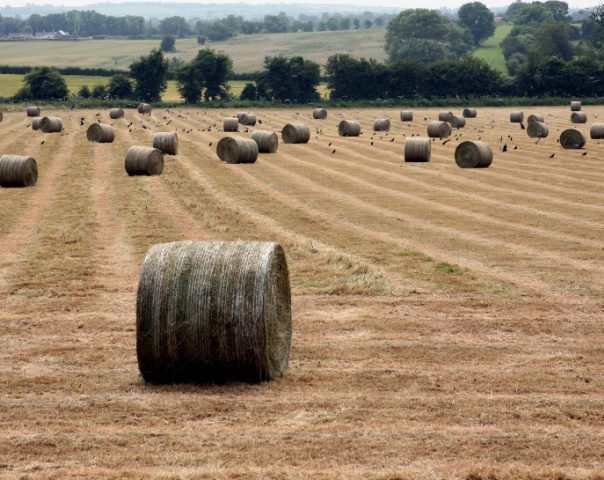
(447, 322)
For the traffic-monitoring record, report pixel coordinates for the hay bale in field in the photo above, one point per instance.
(537, 130)
(237, 150)
(572, 139)
(457, 122)
(597, 131)
(33, 111)
(115, 113)
(381, 125)
(267, 141)
(145, 109)
(100, 133)
(406, 116)
(578, 117)
(575, 106)
(230, 124)
(18, 171)
(36, 123)
(476, 154)
(144, 161)
(319, 114)
(445, 116)
(167, 142)
(213, 312)
(418, 149)
(469, 113)
(516, 117)
(535, 117)
(51, 124)
(239, 115)
(439, 129)
(349, 128)
(248, 119)
(295, 133)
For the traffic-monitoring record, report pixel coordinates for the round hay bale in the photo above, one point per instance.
(476, 154)
(575, 106)
(572, 139)
(100, 133)
(36, 123)
(144, 161)
(319, 114)
(445, 116)
(18, 171)
(230, 124)
(213, 312)
(33, 111)
(457, 122)
(145, 109)
(469, 113)
(295, 133)
(267, 141)
(239, 115)
(516, 117)
(237, 150)
(166, 142)
(439, 129)
(537, 130)
(406, 116)
(535, 117)
(578, 117)
(116, 113)
(418, 149)
(597, 131)
(381, 125)
(51, 124)
(248, 119)
(349, 128)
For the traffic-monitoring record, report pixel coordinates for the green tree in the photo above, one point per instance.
(249, 92)
(355, 79)
(332, 24)
(294, 79)
(356, 23)
(174, 26)
(553, 40)
(368, 24)
(99, 91)
(512, 12)
(43, 83)
(150, 74)
(167, 43)
(559, 10)
(477, 18)
(205, 76)
(530, 17)
(119, 86)
(84, 91)
(379, 22)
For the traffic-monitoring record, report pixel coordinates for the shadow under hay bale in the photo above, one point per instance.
(248, 119)
(418, 149)
(166, 142)
(516, 117)
(116, 113)
(473, 155)
(267, 141)
(575, 106)
(445, 116)
(381, 125)
(18, 171)
(144, 161)
(237, 150)
(230, 124)
(36, 123)
(406, 116)
(295, 133)
(537, 130)
(597, 131)
(349, 128)
(457, 122)
(213, 312)
(145, 109)
(572, 139)
(578, 117)
(33, 111)
(469, 113)
(100, 133)
(51, 124)
(319, 114)
(535, 117)
(439, 129)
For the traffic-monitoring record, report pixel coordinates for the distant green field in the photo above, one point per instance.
(490, 51)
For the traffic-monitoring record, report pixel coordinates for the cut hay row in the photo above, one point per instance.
(418, 149)
(349, 128)
(18, 171)
(144, 161)
(267, 141)
(237, 150)
(166, 142)
(100, 133)
(295, 133)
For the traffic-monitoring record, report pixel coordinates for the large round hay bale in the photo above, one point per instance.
(167, 142)
(418, 149)
(516, 117)
(445, 116)
(439, 129)
(115, 113)
(475, 154)
(51, 124)
(537, 130)
(469, 113)
(406, 116)
(267, 141)
(237, 150)
(295, 133)
(230, 124)
(36, 123)
(349, 128)
(213, 312)
(18, 171)
(319, 114)
(145, 109)
(572, 139)
(597, 131)
(575, 106)
(144, 161)
(381, 125)
(578, 117)
(457, 122)
(33, 111)
(100, 133)
(248, 119)
(535, 117)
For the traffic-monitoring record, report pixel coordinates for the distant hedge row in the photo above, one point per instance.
(89, 72)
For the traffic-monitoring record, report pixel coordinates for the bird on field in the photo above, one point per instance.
(27, 126)
(504, 148)
(371, 143)
(583, 154)
(72, 107)
(446, 141)
(333, 151)
(98, 120)
(42, 142)
(392, 139)
(522, 126)
(97, 114)
(329, 144)
(552, 155)
(516, 147)
(210, 144)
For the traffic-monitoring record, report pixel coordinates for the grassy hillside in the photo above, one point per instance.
(490, 51)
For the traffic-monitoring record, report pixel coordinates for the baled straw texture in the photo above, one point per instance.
(51, 124)
(406, 116)
(167, 142)
(248, 119)
(597, 131)
(349, 128)
(33, 111)
(230, 124)
(295, 133)
(100, 133)
(578, 117)
(457, 122)
(537, 130)
(18, 171)
(535, 117)
(145, 109)
(116, 113)
(144, 161)
(572, 139)
(418, 149)
(575, 106)
(267, 141)
(516, 117)
(237, 150)
(213, 312)
(476, 154)
(36, 123)
(319, 114)
(445, 116)
(439, 129)
(381, 125)
(469, 113)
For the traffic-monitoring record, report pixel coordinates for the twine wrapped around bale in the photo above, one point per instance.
(535, 117)
(445, 116)
(457, 122)
(537, 130)
(516, 117)
(267, 141)
(319, 114)
(406, 116)
(145, 109)
(237, 150)
(381, 125)
(476, 154)
(418, 149)
(115, 113)
(349, 128)
(578, 117)
(213, 312)
(51, 124)
(572, 139)
(439, 129)
(469, 113)
(100, 133)
(33, 111)
(18, 171)
(597, 131)
(36, 123)
(167, 142)
(248, 119)
(575, 106)
(144, 161)
(295, 133)
(230, 124)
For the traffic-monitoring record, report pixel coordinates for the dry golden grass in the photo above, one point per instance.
(447, 321)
